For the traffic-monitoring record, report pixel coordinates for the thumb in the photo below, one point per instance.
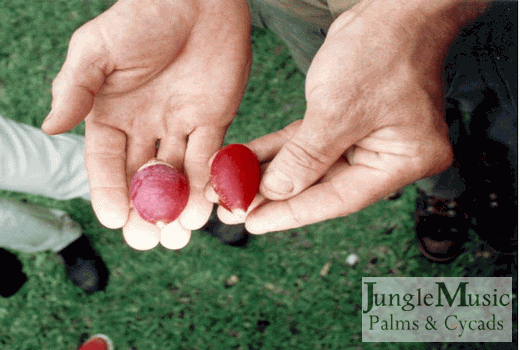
(302, 160)
(80, 78)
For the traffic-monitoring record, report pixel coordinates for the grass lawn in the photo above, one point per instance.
(162, 299)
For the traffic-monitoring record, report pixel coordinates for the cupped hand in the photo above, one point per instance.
(374, 123)
(153, 79)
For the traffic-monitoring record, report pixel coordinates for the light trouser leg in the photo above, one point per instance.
(302, 26)
(36, 163)
(30, 228)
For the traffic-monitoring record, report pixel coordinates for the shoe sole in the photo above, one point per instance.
(427, 255)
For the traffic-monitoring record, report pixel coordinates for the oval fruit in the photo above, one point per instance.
(159, 192)
(235, 177)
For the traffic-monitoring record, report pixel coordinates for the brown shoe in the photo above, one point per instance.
(441, 228)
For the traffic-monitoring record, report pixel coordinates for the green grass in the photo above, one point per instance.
(163, 299)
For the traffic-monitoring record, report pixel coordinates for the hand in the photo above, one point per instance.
(374, 123)
(147, 71)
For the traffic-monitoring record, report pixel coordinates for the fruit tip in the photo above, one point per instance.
(160, 224)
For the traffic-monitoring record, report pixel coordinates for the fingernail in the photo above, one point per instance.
(278, 182)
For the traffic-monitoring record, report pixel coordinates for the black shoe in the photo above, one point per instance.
(494, 204)
(496, 219)
(84, 266)
(12, 275)
(233, 235)
(442, 228)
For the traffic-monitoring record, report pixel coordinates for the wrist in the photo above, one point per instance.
(228, 15)
(439, 20)
(419, 29)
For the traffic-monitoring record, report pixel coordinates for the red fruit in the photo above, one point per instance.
(235, 177)
(159, 192)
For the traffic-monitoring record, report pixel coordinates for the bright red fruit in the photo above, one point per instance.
(235, 177)
(159, 192)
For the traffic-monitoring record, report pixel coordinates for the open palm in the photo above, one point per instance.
(153, 79)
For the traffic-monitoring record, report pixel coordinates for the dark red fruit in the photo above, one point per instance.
(159, 192)
(235, 177)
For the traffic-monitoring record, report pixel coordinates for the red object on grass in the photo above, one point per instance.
(97, 342)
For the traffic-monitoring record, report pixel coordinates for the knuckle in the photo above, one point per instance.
(328, 105)
(57, 83)
(79, 37)
(438, 159)
(296, 214)
(445, 156)
(305, 155)
(288, 132)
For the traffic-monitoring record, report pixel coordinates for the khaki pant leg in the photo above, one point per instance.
(301, 25)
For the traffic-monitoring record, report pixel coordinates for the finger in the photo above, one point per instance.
(139, 234)
(105, 162)
(202, 144)
(268, 146)
(80, 78)
(139, 151)
(301, 161)
(174, 236)
(172, 149)
(229, 218)
(210, 194)
(349, 190)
